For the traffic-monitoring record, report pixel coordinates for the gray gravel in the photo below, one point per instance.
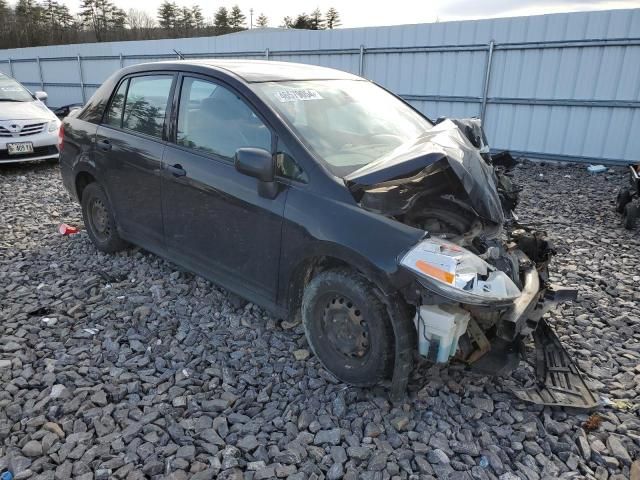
(126, 367)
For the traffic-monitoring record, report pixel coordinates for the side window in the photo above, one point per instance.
(114, 114)
(146, 104)
(213, 119)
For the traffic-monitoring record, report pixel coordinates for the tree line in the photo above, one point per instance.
(31, 23)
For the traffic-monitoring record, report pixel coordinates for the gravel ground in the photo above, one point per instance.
(127, 367)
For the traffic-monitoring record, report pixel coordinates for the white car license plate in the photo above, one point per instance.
(20, 148)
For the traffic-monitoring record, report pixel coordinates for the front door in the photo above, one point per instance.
(129, 148)
(214, 219)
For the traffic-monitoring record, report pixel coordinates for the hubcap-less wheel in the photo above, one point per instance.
(100, 219)
(345, 328)
(348, 327)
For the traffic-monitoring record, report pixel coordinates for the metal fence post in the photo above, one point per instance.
(84, 97)
(40, 72)
(11, 68)
(487, 78)
(121, 61)
(266, 54)
(361, 62)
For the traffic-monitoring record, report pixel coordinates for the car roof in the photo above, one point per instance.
(266, 70)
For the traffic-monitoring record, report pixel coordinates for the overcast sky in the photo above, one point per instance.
(360, 13)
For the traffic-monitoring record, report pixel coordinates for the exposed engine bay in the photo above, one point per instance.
(477, 303)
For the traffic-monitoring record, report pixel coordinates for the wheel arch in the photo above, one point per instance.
(82, 179)
(302, 273)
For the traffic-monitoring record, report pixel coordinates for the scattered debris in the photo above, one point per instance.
(597, 168)
(65, 229)
(593, 422)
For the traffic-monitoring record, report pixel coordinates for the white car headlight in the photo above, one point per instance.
(456, 273)
(54, 125)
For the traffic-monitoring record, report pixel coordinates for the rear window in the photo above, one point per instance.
(145, 104)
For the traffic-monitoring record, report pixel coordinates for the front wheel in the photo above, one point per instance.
(99, 220)
(348, 327)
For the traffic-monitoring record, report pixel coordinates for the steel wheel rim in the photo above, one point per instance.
(345, 328)
(99, 218)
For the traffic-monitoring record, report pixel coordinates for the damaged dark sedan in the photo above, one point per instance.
(322, 197)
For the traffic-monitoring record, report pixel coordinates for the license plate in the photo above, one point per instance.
(20, 148)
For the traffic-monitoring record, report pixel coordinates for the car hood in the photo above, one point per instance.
(25, 111)
(444, 143)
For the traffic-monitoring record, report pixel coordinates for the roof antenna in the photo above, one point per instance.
(180, 56)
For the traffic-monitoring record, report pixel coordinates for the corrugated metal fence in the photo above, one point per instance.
(561, 87)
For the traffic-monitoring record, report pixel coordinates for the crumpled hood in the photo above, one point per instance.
(35, 110)
(445, 142)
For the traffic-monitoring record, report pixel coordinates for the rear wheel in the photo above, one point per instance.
(348, 327)
(631, 214)
(623, 198)
(99, 220)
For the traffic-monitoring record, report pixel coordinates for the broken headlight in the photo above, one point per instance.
(457, 274)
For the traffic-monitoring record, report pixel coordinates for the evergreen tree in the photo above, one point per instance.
(221, 19)
(167, 15)
(316, 20)
(236, 17)
(198, 18)
(185, 21)
(262, 21)
(102, 17)
(332, 18)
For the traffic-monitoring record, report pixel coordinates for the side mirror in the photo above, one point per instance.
(258, 163)
(42, 96)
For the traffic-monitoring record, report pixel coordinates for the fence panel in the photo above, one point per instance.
(563, 86)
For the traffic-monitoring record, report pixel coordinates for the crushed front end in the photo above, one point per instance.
(481, 283)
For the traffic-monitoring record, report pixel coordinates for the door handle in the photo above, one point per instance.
(177, 170)
(104, 145)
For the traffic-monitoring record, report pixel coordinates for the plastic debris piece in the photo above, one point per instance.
(90, 331)
(65, 229)
(6, 475)
(596, 168)
(484, 462)
(50, 320)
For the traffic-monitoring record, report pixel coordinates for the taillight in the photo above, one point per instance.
(60, 137)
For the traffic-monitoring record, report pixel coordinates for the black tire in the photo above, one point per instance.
(348, 327)
(99, 220)
(631, 214)
(623, 198)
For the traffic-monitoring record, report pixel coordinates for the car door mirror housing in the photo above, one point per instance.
(258, 163)
(40, 95)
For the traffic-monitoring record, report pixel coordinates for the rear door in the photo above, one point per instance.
(214, 219)
(129, 146)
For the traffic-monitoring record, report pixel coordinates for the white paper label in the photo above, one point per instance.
(301, 94)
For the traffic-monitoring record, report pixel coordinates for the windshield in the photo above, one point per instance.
(12, 91)
(346, 123)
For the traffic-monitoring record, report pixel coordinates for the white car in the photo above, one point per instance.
(28, 129)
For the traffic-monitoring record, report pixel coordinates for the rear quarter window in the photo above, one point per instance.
(140, 104)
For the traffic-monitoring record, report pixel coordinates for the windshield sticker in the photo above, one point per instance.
(297, 95)
(11, 89)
